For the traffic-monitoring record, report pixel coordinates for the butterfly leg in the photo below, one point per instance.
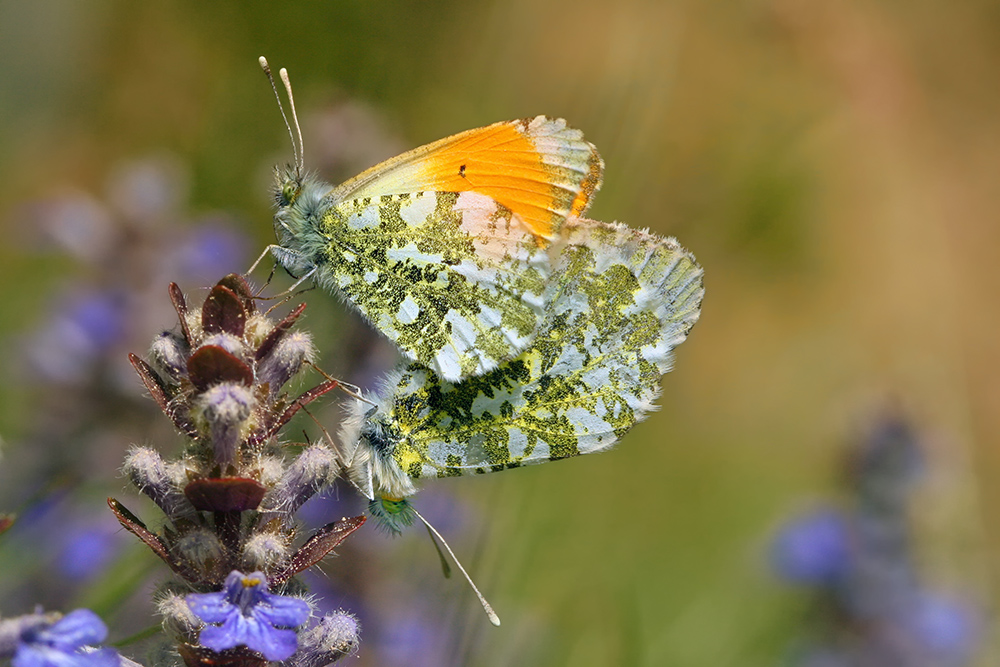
(267, 251)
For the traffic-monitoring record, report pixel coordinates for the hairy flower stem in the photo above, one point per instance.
(227, 526)
(231, 496)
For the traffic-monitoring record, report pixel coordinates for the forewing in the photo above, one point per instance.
(538, 168)
(453, 279)
(621, 300)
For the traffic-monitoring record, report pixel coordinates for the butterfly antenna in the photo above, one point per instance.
(352, 390)
(494, 619)
(283, 73)
(296, 149)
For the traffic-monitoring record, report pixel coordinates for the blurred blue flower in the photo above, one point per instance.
(99, 316)
(876, 610)
(75, 223)
(210, 251)
(411, 636)
(887, 463)
(87, 550)
(250, 616)
(942, 625)
(813, 549)
(60, 644)
(86, 325)
(150, 190)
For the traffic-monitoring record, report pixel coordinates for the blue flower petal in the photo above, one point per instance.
(59, 644)
(814, 549)
(85, 551)
(273, 643)
(230, 634)
(100, 316)
(77, 628)
(42, 656)
(942, 625)
(234, 583)
(283, 611)
(250, 616)
(210, 250)
(211, 607)
(105, 657)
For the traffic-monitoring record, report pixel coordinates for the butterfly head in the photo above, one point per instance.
(287, 186)
(298, 215)
(296, 196)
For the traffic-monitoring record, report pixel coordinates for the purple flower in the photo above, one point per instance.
(250, 616)
(412, 636)
(87, 324)
(86, 550)
(942, 625)
(209, 250)
(813, 549)
(99, 316)
(60, 644)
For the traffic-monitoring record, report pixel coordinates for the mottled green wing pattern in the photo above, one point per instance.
(618, 302)
(454, 279)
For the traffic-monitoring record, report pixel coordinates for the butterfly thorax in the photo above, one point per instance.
(297, 221)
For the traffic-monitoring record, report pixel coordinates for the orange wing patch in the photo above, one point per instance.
(539, 168)
(504, 163)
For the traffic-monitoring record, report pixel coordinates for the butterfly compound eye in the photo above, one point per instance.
(289, 192)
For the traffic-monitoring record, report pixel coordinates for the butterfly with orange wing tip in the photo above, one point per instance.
(533, 333)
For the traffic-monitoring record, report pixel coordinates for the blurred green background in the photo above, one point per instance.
(833, 166)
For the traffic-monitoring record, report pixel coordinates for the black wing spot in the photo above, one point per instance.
(461, 171)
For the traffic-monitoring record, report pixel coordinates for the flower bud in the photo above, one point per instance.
(315, 468)
(227, 342)
(257, 327)
(270, 469)
(146, 470)
(224, 410)
(178, 619)
(264, 550)
(335, 636)
(285, 360)
(201, 549)
(168, 356)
